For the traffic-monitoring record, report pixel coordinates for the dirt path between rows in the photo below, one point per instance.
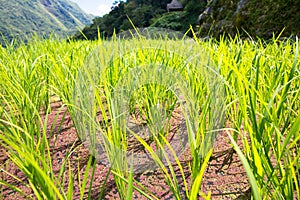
(224, 176)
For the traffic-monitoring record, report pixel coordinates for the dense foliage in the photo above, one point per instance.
(143, 13)
(252, 17)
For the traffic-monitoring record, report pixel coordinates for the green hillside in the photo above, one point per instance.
(209, 18)
(254, 17)
(21, 18)
(144, 13)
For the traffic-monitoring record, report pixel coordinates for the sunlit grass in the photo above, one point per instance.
(252, 86)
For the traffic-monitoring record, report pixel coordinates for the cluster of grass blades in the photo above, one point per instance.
(266, 115)
(106, 86)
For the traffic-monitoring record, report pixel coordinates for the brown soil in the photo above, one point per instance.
(225, 177)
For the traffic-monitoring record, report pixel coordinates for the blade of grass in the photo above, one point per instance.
(195, 188)
(252, 180)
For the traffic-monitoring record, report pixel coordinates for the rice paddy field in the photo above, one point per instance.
(150, 119)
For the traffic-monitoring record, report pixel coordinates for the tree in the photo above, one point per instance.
(143, 13)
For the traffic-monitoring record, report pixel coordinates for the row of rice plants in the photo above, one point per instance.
(252, 86)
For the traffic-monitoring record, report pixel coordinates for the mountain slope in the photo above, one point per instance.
(20, 18)
(257, 18)
(144, 13)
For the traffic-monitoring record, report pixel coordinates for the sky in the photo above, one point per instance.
(95, 7)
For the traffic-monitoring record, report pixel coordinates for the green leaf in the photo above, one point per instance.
(130, 181)
(197, 183)
(252, 180)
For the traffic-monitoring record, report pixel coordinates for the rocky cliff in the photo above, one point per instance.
(255, 18)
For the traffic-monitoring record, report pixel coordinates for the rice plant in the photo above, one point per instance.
(122, 96)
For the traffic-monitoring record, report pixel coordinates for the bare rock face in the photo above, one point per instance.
(240, 5)
(204, 16)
